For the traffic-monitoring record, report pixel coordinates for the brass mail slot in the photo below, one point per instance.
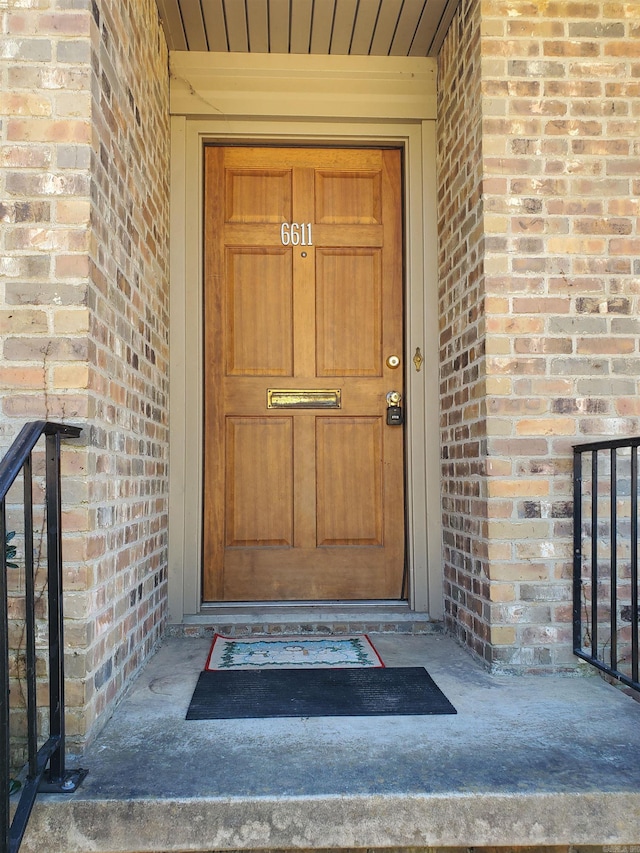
(289, 398)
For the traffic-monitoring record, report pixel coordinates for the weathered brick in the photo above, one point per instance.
(520, 613)
(20, 320)
(621, 48)
(503, 635)
(43, 130)
(25, 184)
(24, 104)
(601, 147)
(535, 68)
(74, 51)
(545, 635)
(65, 23)
(23, 266)
(25, 211)
(44, 349)
(593, 30)
(71, 321)
(73, 211)
(25, 49)
(536, 29)
(45, 293)
(46, 239)
(626, 406)
(543, 345)
(72, 266)
(52, 407)
(22, 377)
(52, 77)
(624, 246)
(611, 386)
(546, 426)
(571, 48)
(17, 156)
(606, 345)
(517, 488)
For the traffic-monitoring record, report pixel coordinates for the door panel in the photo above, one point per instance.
(349, 481)
(254, 349)
(258, 195)
(259, 482)
(348, 198)
(302, 503)
(348, 315)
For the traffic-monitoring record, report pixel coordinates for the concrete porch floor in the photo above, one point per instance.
(526, 761)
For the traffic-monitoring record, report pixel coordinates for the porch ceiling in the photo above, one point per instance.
(320, 27)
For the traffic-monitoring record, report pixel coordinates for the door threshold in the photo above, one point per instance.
(327, 617)
(315, 606)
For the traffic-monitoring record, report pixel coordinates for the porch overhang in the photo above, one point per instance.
(339, 27)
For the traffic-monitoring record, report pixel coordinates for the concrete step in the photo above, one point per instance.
(528, 761)
(241, 620)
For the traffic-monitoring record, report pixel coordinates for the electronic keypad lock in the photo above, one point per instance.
(395, 416)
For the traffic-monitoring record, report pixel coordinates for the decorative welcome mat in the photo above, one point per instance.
(292, 653)
(356, 692)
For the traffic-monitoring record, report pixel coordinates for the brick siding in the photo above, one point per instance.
(84, 166)
(128, 298)
(462, 332)
(560, 121)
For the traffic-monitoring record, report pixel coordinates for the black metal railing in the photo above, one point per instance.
(45, 766)
(605, 557)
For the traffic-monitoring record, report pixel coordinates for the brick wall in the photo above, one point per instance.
(44, 209)
(560, 160)
(462, 331)
(84, 309)
(128, 300)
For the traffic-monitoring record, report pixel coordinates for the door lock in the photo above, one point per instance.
(395, 416)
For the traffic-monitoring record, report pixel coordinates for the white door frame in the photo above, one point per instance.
(302, 100)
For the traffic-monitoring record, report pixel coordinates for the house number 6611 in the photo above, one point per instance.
(296, 234)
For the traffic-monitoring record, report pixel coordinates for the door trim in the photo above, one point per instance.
(416, 135)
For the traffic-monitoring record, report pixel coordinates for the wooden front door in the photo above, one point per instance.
(303, 479)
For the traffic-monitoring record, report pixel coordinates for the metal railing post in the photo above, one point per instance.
(30, 619)
(613, 592)
(594, 553)
(5, 780)
(577, 550)
(624, 667)
(634, 564)
(46, 769)
(54, 573)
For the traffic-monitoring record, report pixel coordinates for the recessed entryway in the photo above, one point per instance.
(206, 119)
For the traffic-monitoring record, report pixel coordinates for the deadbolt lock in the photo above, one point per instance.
(393, 361)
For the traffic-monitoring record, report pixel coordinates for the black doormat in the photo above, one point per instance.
(242, 694)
